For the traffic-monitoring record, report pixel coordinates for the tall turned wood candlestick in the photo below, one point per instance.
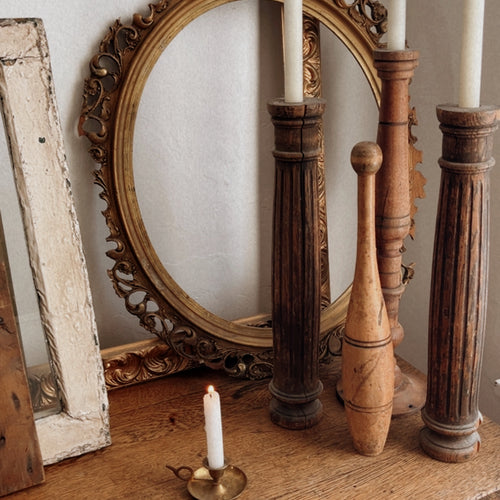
(459, 284)
(392, 209)
(367, 352)
(296, 280)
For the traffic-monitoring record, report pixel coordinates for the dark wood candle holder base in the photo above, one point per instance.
(459, 284)
(296, 278)
(450, 448)
(295, 413)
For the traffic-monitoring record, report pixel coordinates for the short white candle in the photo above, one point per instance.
(396, 24)
(213, 428)
(294, 84)
(471, 54)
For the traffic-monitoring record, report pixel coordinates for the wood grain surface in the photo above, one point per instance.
(459, 283)
(161, 422)
(367, 352)
(21, 463)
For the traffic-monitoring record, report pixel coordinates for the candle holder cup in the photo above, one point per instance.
(208, 483)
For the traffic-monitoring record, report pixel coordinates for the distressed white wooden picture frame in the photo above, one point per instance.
(35, 139)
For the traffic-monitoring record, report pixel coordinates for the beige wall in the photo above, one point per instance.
(241, 73)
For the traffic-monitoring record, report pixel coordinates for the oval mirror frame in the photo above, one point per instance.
(111, 100)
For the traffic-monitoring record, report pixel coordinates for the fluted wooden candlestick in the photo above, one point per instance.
(367, 352)
(296, 279)
(459, 284)
(392, 209)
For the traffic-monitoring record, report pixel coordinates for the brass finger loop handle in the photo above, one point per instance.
(184, 472)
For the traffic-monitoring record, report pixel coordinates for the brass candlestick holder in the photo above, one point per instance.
(459, 284)
(207, 483)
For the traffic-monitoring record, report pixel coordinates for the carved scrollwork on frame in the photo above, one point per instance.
(370, 14)
(312, 88)
(43, 390)
(111, 97)
(140, 363)
(312, 57)
(218, 355)
(123, 366)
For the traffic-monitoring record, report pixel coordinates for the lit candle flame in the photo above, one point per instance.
(213, 428)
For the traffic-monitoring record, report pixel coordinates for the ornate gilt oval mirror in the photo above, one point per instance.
(112, 96)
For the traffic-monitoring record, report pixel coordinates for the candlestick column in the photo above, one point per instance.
(296, 279)
(459, 283)
(392, 208)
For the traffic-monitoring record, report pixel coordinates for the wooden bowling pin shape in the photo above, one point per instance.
(367, 352)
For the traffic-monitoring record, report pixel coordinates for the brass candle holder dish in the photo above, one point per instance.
(207, 483)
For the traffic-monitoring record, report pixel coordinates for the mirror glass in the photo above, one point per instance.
(203, 164)
(351, 117)
(30, 324)
(203, 167)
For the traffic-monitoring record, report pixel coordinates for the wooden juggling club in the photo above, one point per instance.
(367, 352)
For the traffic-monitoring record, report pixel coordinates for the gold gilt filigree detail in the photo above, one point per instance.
(331, 345)
(312, 88)
(141, 362)
(123, 366)
(370, 14)
(43, 389)
(312, 57)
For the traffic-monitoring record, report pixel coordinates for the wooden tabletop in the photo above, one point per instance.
(161, 422)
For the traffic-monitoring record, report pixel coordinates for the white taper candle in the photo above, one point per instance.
(213, 428)
(396, 24)
(294, 84)
(471, 54)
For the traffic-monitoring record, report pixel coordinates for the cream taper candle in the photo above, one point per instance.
(294, 83)
(396, 24)
(471, 54)
(213, 428)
